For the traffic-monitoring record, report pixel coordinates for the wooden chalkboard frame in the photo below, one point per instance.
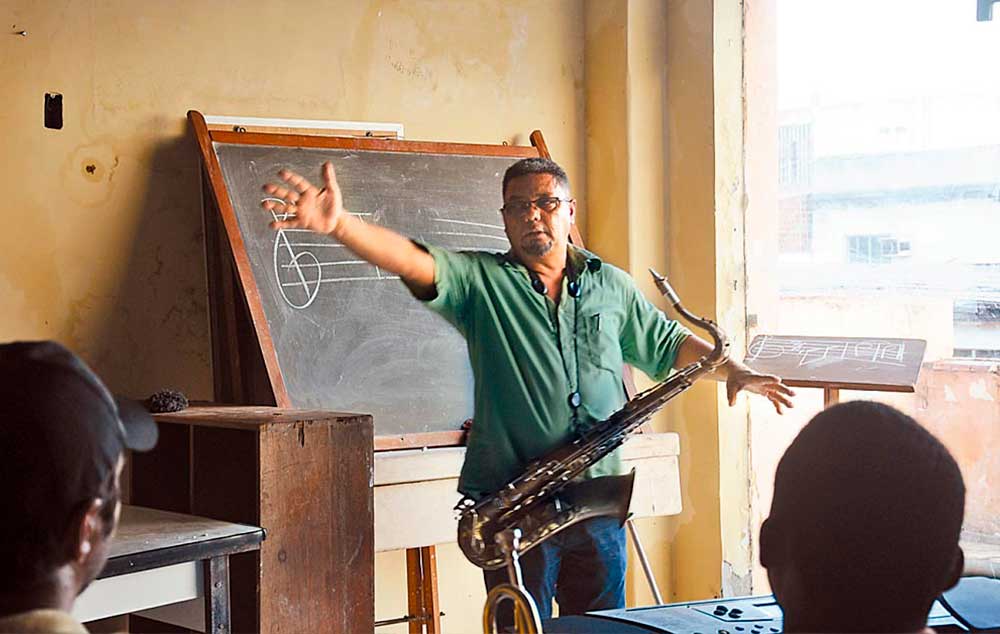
(245, 362)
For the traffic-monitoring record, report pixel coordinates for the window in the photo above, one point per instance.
(795, 233)
(888, 156)
(972, 353)
(878, 213)
(795, 154)
(875, 249)
(865, 249)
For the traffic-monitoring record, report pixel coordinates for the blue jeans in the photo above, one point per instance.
(582, 568)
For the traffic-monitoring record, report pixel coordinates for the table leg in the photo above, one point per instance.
(422, 590)
(217, 595)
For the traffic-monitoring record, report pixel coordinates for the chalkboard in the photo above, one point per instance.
(335, 332)
(854, 363)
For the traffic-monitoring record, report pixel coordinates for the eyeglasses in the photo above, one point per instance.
(520, 208)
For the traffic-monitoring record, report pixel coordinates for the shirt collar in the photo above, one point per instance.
(582, 260)
(579, 260)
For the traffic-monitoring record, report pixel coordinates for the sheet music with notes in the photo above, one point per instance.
(859, 363)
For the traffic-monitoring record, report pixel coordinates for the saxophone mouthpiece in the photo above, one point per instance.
(665, 288)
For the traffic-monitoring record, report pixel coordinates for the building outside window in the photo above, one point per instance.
(887, 149)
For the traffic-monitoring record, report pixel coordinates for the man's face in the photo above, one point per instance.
(536, 232)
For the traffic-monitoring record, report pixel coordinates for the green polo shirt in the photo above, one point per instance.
(528, 355)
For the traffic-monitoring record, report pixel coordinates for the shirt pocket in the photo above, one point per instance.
(603, 347)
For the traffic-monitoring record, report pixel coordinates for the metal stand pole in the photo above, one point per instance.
(645, 562)
(526, 619)
(509, 541)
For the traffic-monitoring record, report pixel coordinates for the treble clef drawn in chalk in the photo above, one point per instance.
(299, 271)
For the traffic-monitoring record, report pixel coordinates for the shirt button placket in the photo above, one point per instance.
(568, 346)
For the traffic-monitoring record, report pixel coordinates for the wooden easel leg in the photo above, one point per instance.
(414, 590)
(831, 396)
(422, 590)
(432, 605)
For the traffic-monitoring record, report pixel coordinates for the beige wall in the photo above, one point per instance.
(103, 249)
(111, 262)
(957, 402)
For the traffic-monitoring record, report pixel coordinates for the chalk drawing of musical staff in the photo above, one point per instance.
(470, 233)
(300, 272)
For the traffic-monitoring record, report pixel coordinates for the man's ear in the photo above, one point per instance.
(87, 529)
(957, 567)
(768, 556)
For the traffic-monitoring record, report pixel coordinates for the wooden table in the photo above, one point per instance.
(306, 477)
(159, 559)
(415, 492)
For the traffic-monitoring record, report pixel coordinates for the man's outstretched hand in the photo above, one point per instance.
(306, 206)
(767, 385)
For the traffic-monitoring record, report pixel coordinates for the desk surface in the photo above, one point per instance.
(148, 538)
(253, 417)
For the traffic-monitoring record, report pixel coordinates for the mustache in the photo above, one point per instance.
(542, 230)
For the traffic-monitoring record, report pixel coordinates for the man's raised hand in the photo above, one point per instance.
(305, 206)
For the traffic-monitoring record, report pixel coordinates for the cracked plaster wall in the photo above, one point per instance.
(104, 249)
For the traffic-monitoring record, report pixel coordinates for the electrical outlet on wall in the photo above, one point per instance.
(53, 110)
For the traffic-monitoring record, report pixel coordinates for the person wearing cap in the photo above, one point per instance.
(62, 448)
(548, 326)
(864, 525)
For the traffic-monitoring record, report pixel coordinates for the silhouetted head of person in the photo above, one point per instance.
(63, 439)
(864, 525)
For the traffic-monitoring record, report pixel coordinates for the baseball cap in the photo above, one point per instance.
(61, 430)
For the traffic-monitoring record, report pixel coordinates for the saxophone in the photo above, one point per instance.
(545, 499)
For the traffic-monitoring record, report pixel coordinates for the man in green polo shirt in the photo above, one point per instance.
(548, 327)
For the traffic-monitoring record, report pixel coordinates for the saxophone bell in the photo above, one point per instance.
(606, 496)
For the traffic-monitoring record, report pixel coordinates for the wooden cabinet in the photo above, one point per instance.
(304, 476)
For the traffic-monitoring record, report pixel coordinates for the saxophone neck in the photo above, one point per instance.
(720, 349)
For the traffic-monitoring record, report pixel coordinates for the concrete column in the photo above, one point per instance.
(665, 188)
